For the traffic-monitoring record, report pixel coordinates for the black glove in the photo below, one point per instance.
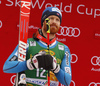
(43, 60)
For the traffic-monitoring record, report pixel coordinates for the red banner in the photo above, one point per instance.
(80, 31)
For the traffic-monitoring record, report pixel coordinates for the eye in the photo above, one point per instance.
(57, 19)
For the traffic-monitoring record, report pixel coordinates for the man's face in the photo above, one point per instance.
(54, 24)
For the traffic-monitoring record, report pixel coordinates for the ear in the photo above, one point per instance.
(44, 23)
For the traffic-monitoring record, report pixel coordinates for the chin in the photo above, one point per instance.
(53, 30)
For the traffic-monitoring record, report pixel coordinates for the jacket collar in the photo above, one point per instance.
(39, 36)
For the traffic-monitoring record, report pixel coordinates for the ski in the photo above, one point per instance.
(23, 35)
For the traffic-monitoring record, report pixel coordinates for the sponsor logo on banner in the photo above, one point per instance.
(72, 83)
(61, 39)
(69, 31)
(0, 24)
(81, 9)
(74, 58)
(93, 12)
(97, 35)
(31, 27)
(12, 79)
(95, 61)
(64, 31)
(94, 84)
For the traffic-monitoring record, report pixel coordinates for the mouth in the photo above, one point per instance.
(53, 26)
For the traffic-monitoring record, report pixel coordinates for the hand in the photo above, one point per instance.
(33, 62)
(45, 61)
(50, 63)
(56, 67)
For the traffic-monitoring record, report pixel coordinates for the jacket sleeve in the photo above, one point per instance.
(64, 75)
(12, 65)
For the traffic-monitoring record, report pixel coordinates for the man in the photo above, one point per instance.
(38, 61)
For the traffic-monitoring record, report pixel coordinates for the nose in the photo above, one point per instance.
(54, 20)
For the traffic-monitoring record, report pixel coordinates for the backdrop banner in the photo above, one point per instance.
(80, 31)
